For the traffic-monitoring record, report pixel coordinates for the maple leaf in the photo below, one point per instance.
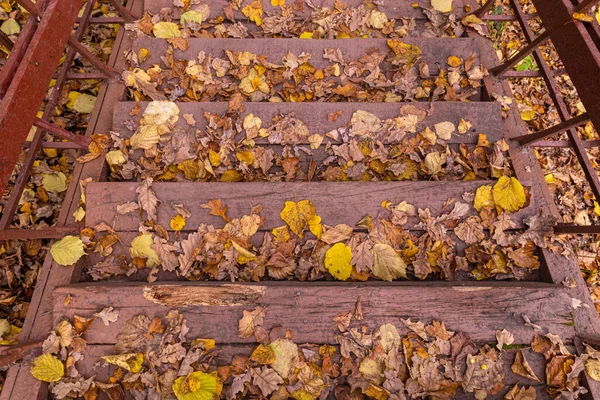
(217, 208)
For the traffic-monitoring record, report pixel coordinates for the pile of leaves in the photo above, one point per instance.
(154, 359)
(401, 242)
(375, 76)
(235, 147)
(296, 19)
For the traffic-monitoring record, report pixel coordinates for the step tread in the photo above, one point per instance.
(477, 309)
(336, 202)
(485, 117)
(435, 51)
(393, 9)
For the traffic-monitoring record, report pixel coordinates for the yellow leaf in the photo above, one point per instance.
(377, 19)
(509, 194)
(263, 354)
(4, 327)
(549, 178)
(141, 247)
(245, 156)
(146, 137)
(142, 54)
(79, 214)
(192, 16)
(528, 115)
(454, 61)
(244, 255)
(442, 5)
(285, 353)
(387, 264)
(54, 182)
(68, 250)
(115, 157)
(276, 3)
(10, 27)
(47, 368)
(254, 12)
(214, 158)
(195, 386)
(483, 197)
(177, 222)
(592, 367)
(132, 362)
(281, 234)
(81, 102)
(596, 208)
(161, 112)
(337, 261)
(208, 343)
(583, 17)
(306, 35)
(251, 122)
(297, 215)
(166, 30)
(315, 226)
(231, 175)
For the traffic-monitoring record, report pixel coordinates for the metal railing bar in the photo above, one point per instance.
(563, 126)
(524, 52)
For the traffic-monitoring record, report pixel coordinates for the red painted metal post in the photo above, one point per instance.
(29, 84)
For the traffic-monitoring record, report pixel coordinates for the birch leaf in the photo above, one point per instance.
(195, 386)
(68, 250)
(509, 194)
(47, 368)
(337, 261)
(141, 247)
(166, 30)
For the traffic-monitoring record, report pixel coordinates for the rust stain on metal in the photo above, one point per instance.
(182, 296)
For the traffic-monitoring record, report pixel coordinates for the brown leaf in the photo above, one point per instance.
(217, 208)
(249, 321)
(266, 379)
(147, 198)
(521, 393)
(522, 367)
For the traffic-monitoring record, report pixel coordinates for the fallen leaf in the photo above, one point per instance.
(249, 321)
(47, 368)
(68, 250)
(108, 315)
(266, 379)
(509, 194)
(297, 215)
(521, 367)
(195, 386)
(132, 362)
(141, 247)
(387, 264)
(166, 30)
(337, 261)
(442, 5)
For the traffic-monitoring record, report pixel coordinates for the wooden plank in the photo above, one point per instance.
(393, 9)
(91, 361)
(435, 51)
(336, 202)
(307, 310)
(485, 117)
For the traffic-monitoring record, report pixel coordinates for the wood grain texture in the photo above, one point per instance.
(478, 309)
(486, 117)
(336, 202)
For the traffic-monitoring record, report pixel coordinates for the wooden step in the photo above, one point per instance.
(88, 366)
(435, 51)
(477, 309)
(336, 202)
(485, 117)
(393, 9)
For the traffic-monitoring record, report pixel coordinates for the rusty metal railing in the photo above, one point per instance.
(577, 45)
(23, 85)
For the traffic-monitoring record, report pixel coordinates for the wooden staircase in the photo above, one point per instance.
(212, 309)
